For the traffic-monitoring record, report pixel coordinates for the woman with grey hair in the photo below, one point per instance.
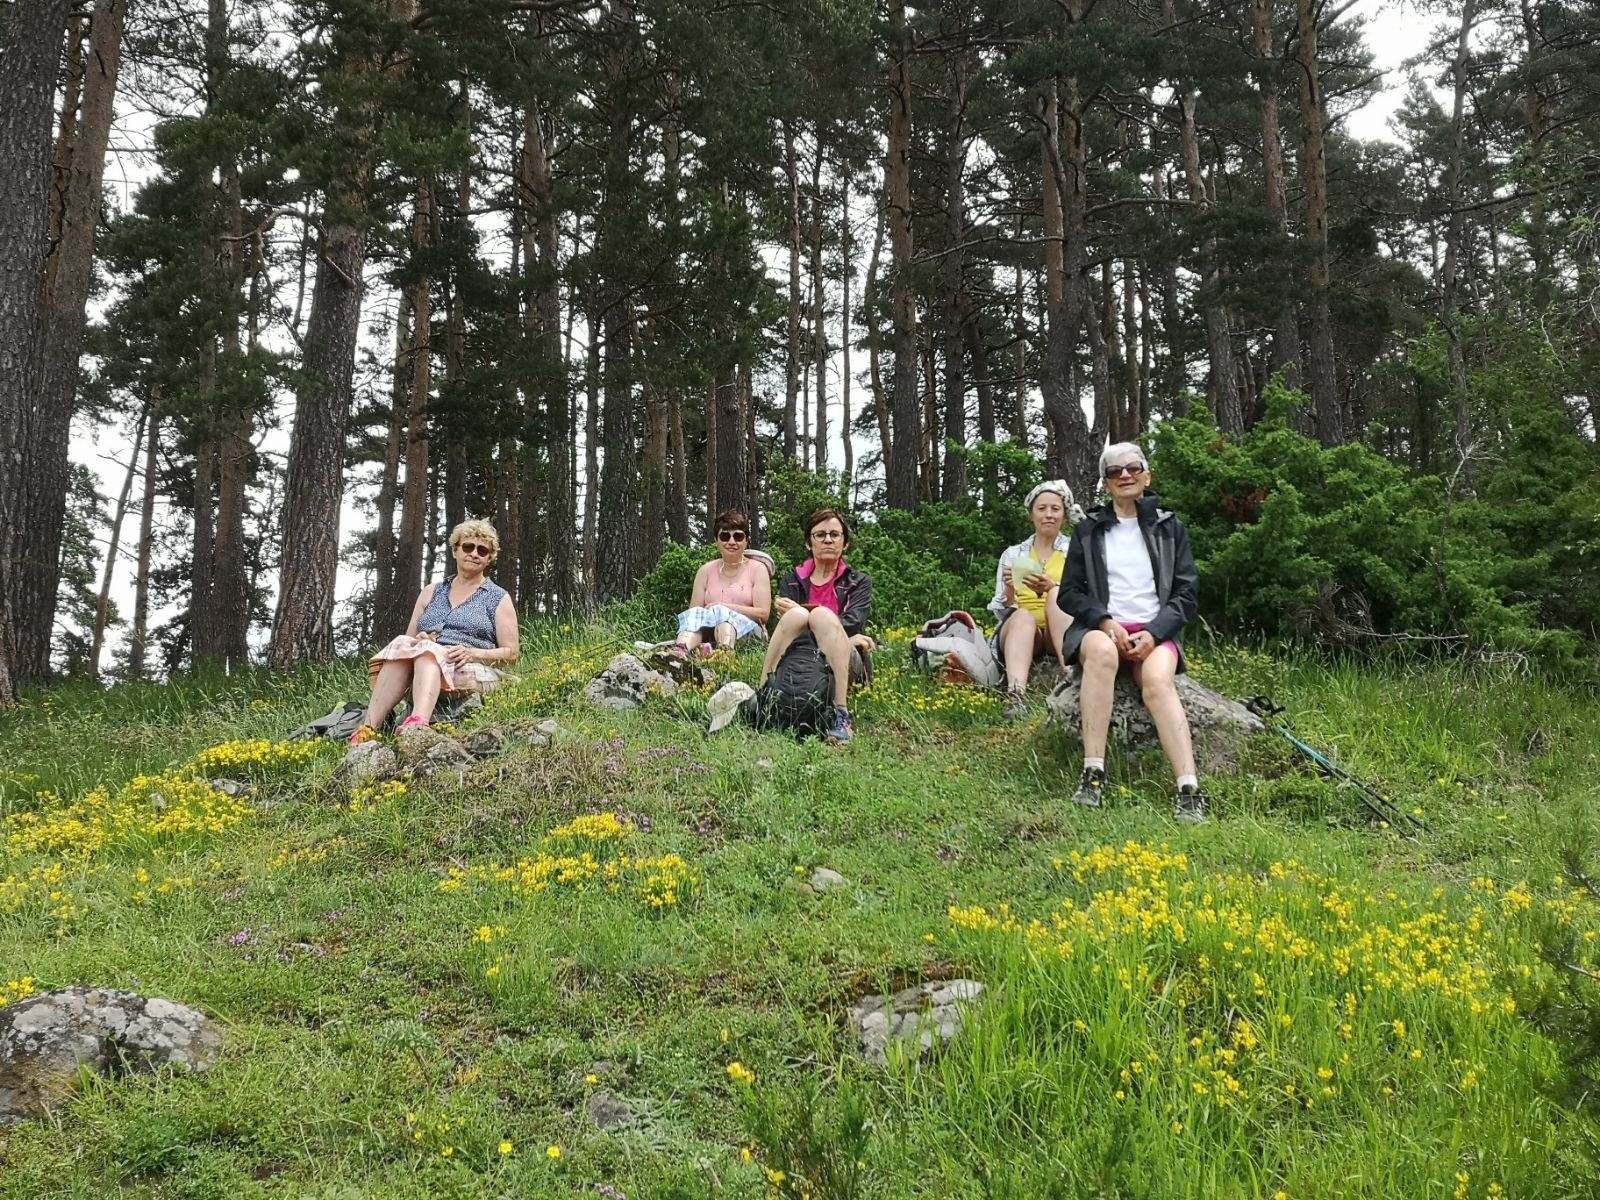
(1025, 581)
(1130, 587)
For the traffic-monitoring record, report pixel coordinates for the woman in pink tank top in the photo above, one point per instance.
(732, 593)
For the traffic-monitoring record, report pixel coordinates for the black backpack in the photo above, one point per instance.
(798, 695)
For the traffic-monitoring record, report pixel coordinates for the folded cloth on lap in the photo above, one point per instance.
(709, 616)
(458, 677)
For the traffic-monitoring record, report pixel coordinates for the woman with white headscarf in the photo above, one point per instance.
(1032, 624)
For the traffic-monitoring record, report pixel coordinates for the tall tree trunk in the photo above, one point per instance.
(730, 469)
(456, 465)
(846, 269)
(102, 607)
(1285, 353)
(302, 629)
(538, 134)
(678, 494)
(1019, 332)
(954, 482)
(869, 312)
(69, 271)
(752, 462)
(413, 533)
(1313, 121)
(29, 55)
(384, 548)
(654, 474)
(1449, 276)
(202, 559)
(1059, 407)
(904, 491)
(791, 363)
(591, 458)
(620, 499)
(1133, 415)
(1222, 384)
(139, 637)
(819, 314)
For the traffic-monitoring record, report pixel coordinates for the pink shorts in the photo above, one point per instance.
(1138, 627)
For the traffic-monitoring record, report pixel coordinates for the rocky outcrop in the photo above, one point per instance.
(1218, 725)
(913, 1021)
(46, 1040)
(625, 683)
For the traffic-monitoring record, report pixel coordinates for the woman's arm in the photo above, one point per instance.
(761, 593)
(1004, 596)
(506, 632)
(424, 599)
(702, 577)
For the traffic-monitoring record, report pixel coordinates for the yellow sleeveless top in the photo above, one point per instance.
(1026, 598)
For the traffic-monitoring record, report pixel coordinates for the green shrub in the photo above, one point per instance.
(1296, 539)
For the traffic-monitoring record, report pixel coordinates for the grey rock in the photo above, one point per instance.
(47, 1039)
(625, 683)
(608, 1111)
(826, 879)
(683, 671)
(1219, 726)
(232, 787)
(368, 761)
(911, 1022)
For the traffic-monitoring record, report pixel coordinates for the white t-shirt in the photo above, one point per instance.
(1130, 579)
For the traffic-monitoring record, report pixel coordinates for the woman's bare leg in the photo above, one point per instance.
(1057, 622)
(834, 643)
(394, 678)
(426, 681)
(1158, 679)
(1016, 644)
(724, 636)
(689, 639)
(1097, 655)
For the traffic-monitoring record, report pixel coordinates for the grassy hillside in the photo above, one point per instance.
(424, 986)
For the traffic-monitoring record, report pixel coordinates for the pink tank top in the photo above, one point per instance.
(741, 589)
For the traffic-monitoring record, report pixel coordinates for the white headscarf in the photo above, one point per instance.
(1058, 487)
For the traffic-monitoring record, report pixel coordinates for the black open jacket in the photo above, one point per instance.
(855, 596)
(1084, 591)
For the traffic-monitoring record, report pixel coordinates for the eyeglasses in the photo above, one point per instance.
(1124, 469)
(827, 535)
(731, 535)
(476, 549)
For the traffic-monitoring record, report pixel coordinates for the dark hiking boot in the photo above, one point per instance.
(840, 730)
(1189, 804)
(1090, 786)
(1016, 705)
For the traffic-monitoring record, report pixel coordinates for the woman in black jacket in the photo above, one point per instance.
(829, 600)
(1130, 587)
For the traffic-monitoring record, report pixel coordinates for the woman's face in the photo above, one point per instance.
(731, 543)
(1048, 512)
(827, 540)
(473, 554)
(1127, 478)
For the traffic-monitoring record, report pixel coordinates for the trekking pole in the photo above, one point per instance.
(1373, 800)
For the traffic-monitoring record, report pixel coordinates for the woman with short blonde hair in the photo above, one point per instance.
(460, 628)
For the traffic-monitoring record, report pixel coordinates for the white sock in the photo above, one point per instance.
(1188, 781)
(1098, 764)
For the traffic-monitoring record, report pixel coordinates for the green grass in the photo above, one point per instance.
(375, 1019)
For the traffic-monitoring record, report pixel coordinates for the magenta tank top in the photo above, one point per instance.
(741, 589)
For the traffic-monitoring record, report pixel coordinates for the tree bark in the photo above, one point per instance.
(869, 309)
(1222, 386)
(954, 481)
(384, 547)
(819, 316)
(1285, 353)
(139, 638)
(561, 520)
(1449, 276)
(69, 272)
(29, 56)
(102, 607)
(413, 533)
(1321, 366)
(303, 627)
(791, 364)
(904, 491)
(846, 418)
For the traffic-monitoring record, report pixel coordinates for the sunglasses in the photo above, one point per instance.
(476, 549)
(731, 535)
(1124, 469)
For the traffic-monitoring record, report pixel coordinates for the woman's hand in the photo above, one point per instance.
(1140, 646)
(783, 604)
(1118, 635)
(864, 643)
(1040, 584)
(460, 655)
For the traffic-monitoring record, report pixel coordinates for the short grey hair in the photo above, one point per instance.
(1121, 450)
